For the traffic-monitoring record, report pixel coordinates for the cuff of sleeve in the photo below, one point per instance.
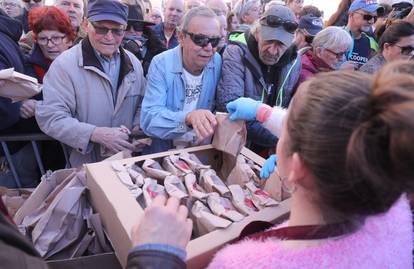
(179, 252)
(263, 112)
(84, 139)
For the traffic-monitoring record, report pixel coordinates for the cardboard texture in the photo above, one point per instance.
(120, 211)
(18, 86)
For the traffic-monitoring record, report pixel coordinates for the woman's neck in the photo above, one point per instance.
(303, 211)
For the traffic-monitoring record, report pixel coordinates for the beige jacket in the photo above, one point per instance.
(77, 97)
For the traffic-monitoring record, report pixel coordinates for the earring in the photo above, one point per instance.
(289, 188)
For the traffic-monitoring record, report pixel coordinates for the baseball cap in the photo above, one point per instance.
(369, 6)
(107, 10)
(311, 24)
(278, 23)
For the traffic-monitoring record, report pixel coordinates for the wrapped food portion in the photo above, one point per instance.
(205, 221)
(211, 182)
(260, 198)
(154, 170)
(169, 166)
(193, 162)
(193, 188)
(242, 173)
(223, 207)
(175, 187)
(151, 190)
(242, 200)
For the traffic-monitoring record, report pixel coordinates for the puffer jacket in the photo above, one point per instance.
(77, 98)
(242, 76)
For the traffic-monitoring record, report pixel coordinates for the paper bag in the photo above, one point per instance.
(230, 136)
(242, 173)
(18, 86)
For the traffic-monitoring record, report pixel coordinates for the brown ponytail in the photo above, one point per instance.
(356, 134)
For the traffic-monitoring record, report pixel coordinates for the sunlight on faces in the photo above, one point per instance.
(359, 21)
(106, 44)
(174, 11)
(51, 50)
(397, 51)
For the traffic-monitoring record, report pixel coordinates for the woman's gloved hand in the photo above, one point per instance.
(243, 108)
(268, 167)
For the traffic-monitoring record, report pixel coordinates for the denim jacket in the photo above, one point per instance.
(162, 113)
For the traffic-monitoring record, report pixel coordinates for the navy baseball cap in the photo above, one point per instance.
(311, 24)
(107, 10)
(369, 6)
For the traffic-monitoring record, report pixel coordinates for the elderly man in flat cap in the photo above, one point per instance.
(92, 93)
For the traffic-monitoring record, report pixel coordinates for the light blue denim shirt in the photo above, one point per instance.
(111, 67)
(162, 113)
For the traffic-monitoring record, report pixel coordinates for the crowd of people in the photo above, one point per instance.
(332, 98)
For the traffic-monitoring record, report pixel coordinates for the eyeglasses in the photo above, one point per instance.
(137, 26)
(203, 40)
(56, 40)
(275, 21)
(368, 17)
(28, 1)
(8, 4)
(103, 30)
(339, 55)
(406, 50)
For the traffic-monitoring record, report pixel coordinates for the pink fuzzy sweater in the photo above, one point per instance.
(385, 241)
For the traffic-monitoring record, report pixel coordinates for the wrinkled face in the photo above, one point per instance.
(270, 51)
(52, 43)
(13, 8)
(332, 56)
(252, 15)
(104, 41)
(403, 49)
(195, 57)
(155, 16)
(296, 6)
(29, 4)
(174, 11)
(74, 9)
(360, 22)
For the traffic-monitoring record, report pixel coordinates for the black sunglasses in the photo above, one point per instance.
(368, 17)
(28, 1)
(339, 55)
(203, 40)
(103, 30)
(275, 21)
(406, 50)
(137, 26)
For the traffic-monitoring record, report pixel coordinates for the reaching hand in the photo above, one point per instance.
(114, 139)
(243, 109)
(164, 222)
(28, 108)
(268, 167)
(203, 123)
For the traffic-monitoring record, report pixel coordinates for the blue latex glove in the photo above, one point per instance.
(243, 109)
(268, 167)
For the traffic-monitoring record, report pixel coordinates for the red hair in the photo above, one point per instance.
(52, 19)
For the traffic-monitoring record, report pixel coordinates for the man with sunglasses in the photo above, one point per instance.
(362, 15)
(309, 26)
(92, 93)
(261, 64)
(181, 86)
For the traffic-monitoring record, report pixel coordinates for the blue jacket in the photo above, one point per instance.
(10, 56)
(159, 32)
(162, 113)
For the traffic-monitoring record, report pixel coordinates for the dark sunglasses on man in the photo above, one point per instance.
(368, 17)
(275, 21)
(203, 40)
(103, 30)
(406, 50)
(28, 1)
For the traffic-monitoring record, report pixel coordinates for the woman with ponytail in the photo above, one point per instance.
(346, 154)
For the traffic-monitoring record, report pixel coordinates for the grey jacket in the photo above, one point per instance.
(77, 97)
(374, 64)
(240, 78)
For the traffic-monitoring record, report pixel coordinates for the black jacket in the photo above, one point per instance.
(10, 56)
(152, 259)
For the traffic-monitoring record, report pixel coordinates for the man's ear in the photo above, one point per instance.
(319, 51)
(181, 37)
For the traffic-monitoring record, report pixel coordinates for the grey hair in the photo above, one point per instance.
(333, 37)
(242, 8)
(200, 11)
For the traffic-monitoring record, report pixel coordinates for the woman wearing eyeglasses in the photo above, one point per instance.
(397, 42)
(327, 52)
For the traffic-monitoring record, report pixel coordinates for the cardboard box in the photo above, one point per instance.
(120, 211)
(101, 261)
